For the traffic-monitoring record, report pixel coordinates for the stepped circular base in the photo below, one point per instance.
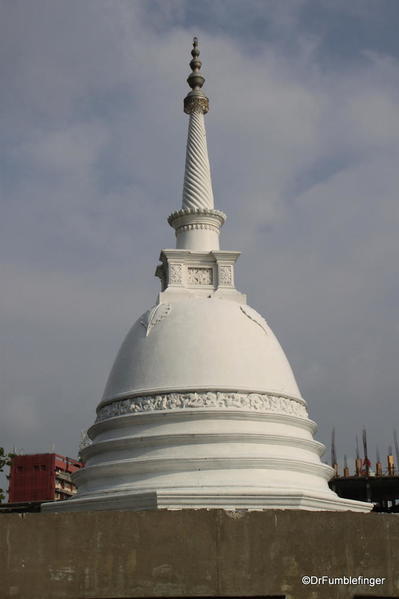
(284, 499)
(258, 457)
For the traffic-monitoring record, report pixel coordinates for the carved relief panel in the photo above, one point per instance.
(225, 275)
(200, 276)
(175, 274)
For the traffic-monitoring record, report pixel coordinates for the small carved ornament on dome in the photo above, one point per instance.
(154, 316)
(255, 317)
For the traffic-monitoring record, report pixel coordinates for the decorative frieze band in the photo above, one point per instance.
(257, 402)
(198, 226)
(197, 211)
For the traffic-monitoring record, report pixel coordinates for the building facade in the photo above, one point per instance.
(41, 477)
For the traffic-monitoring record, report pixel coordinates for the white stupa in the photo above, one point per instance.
(201, 409)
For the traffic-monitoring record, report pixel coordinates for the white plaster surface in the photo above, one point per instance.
(202, 410)
(201, 344)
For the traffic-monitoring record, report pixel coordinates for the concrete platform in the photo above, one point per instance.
(197, 553)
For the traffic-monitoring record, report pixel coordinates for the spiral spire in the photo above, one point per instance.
(197, 224)
(197, 188)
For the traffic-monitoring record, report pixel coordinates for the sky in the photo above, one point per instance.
(303, 138)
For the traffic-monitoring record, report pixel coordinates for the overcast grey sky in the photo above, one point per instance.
(303, 137)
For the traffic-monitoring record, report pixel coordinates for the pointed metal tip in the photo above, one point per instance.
(196, 98)
(195, 51)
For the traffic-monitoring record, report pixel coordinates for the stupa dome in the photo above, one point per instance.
(200, 344)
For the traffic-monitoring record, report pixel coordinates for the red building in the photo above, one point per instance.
(41, 477)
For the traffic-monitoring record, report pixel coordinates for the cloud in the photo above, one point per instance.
(303, 146)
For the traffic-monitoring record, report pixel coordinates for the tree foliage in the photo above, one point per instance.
(5, 460)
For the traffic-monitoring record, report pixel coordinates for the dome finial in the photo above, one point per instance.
(197, 224)
(196, 99)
